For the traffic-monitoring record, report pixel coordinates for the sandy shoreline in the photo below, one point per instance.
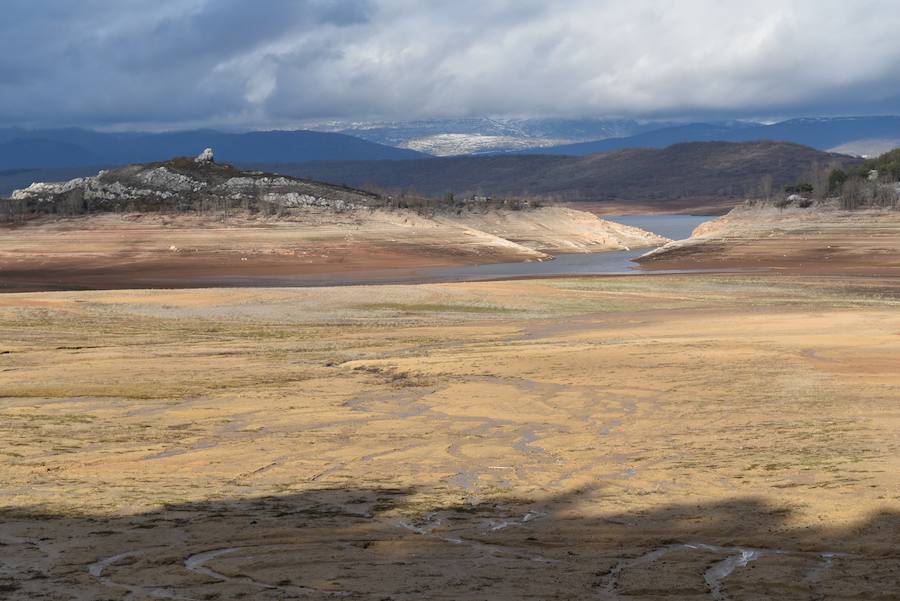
(319, 246)
(825, 242)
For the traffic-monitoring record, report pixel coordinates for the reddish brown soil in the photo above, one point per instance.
(110, 252)
(310, 247)
(847, 244)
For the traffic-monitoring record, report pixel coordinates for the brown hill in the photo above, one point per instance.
(819, 239)
(190, 223)
(697, 172)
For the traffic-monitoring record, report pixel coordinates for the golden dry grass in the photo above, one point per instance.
(529, 439)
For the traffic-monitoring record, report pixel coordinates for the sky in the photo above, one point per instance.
(170, 64)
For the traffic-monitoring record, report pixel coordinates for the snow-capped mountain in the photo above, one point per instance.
(446, 137)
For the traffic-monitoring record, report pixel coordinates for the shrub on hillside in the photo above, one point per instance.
(887, 166)
(799, 188)
(836, 179)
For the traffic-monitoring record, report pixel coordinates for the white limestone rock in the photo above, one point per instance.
(205, 157)
(151, 184)
(168, 180)
(45, 190)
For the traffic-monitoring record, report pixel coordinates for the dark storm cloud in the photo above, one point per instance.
(103, 62)
(278, 62)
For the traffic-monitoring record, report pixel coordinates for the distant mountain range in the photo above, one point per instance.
(677, 177)
(21, 148)
(578, 137)
(827, 133)
(26, 155)
(446, 137)
(680, 174)
(55, 148)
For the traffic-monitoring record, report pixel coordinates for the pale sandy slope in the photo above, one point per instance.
(818, 240)
(558, 230)
(139, 250)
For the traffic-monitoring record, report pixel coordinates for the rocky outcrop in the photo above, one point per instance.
(206, 156)
(185, 184)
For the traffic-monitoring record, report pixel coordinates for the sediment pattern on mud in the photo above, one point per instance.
(680, 437)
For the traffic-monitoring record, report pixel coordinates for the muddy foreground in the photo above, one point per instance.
(662, 437)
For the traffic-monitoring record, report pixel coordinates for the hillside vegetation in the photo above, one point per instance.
(887, 165)
(186, 185)
(874, 183)
(192, 222)
(823, 133)
(699, 171)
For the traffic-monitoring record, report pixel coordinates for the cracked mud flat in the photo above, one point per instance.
(677, 437)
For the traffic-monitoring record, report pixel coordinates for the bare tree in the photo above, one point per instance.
(765, 186)
(818, 177)
(853, 194)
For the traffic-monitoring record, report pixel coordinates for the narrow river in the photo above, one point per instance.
(676, 227)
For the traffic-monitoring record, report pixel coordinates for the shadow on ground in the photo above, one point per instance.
(403, 545)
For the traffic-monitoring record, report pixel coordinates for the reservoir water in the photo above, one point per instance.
(676, 227)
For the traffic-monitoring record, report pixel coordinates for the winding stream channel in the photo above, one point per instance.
(430, 526)
(676, 227)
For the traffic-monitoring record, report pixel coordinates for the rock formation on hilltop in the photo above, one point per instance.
(206, 156)
(184, 184)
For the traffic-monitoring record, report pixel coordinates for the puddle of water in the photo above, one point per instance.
(721, 570)
(738, 557)
(197, 564)
(528, 436)
(96, 569)
(432, 523)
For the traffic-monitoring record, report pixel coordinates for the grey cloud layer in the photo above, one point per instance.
(232, 62)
